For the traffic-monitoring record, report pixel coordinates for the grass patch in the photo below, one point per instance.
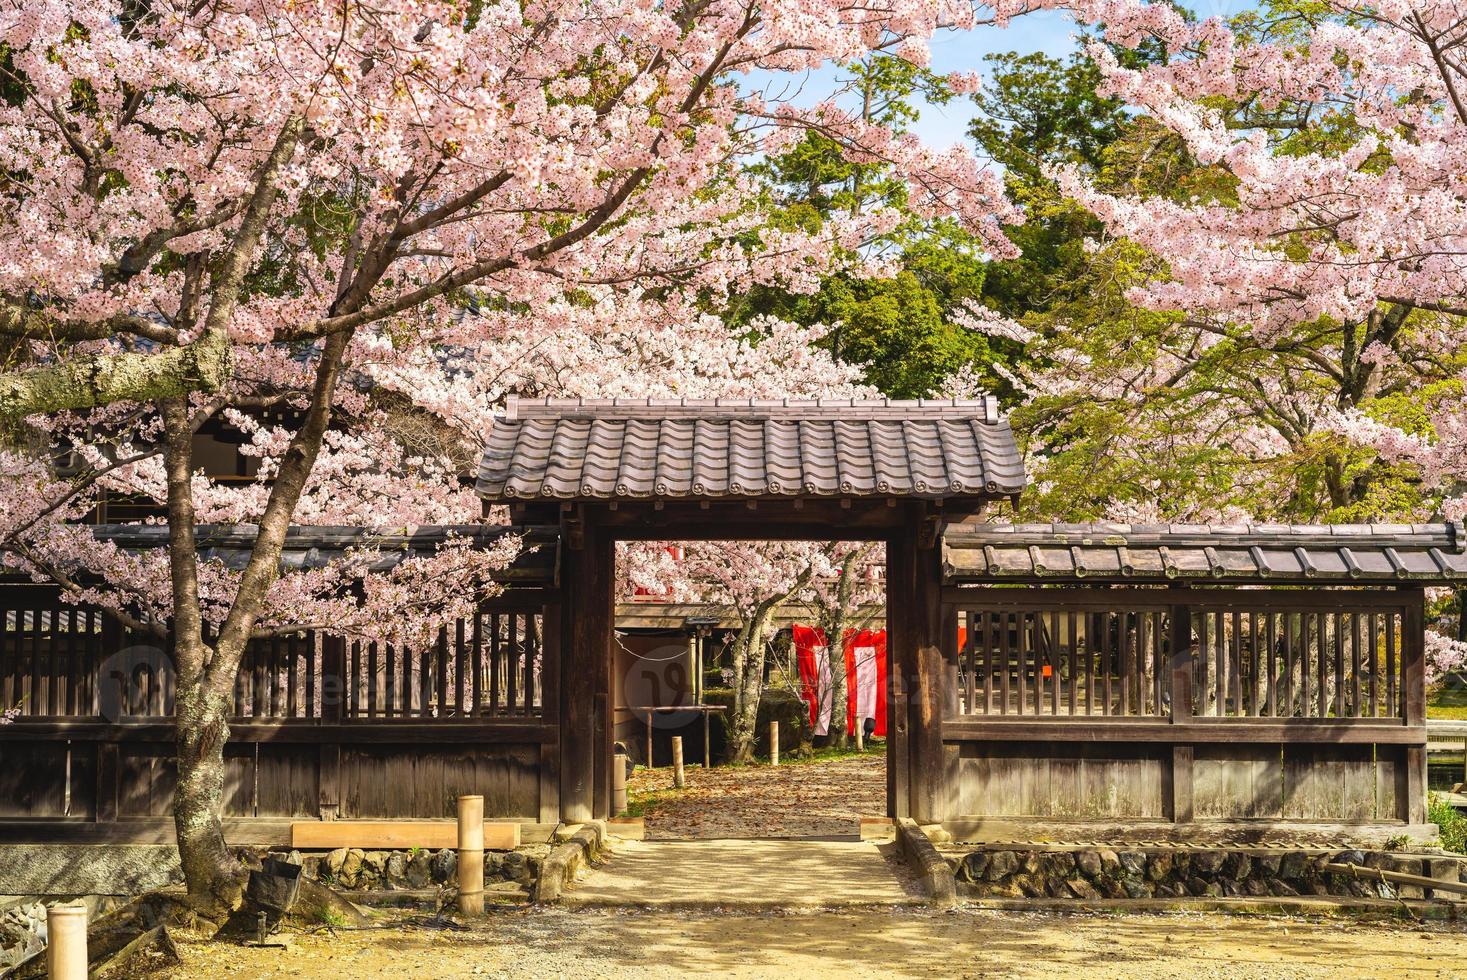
(639, 804)
(1451, 821)
(1449, 703)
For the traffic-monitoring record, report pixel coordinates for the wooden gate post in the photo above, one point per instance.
(915, 586)
(585, 679)
(1413, 692)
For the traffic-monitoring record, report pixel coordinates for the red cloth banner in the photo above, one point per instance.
(865, 663)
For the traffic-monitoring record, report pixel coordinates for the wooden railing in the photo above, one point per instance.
(60, 661)
(1127, 653)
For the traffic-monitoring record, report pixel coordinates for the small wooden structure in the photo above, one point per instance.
(1097, 672)
(1190, 673)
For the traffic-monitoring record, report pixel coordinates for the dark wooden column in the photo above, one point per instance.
(333, 694)
(587, 619)
(1183, 756)
(915, 589)
(900, 658)
(1412, 786)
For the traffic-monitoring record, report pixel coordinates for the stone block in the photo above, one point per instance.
(1001, 864)
(973, 866)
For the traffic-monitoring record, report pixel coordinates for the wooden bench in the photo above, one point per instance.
(388, 835)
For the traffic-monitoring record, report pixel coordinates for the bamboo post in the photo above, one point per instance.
(774, 743)
(618, 783)
(66, 942)
(678, 780)
(471, 855)
(860, 733)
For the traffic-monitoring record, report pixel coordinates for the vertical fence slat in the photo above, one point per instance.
(1373, 686)
(990, 639)
(478, 685)
(495, 656)
(460, 668)
(1054, 661)
(1392, 697)
(1322, 649)
(1355, 666)
(440, 696)
(512, 682)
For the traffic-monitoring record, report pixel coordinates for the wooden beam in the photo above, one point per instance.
(528, 731)
(396, 834)
(1353, 731)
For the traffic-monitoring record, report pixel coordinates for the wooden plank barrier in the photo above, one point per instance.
(386, 835)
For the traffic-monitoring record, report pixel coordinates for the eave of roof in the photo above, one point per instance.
(308, 547)
(1360, 554)
(749, 449)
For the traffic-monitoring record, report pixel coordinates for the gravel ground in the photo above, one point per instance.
(535, 943)
(821, 798)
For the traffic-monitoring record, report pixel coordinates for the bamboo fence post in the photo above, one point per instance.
(66, 942)
(471, 855)
(678, 780)
(618, 783)
(774, 743)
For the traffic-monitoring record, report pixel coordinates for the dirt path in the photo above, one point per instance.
(738, 873)
(822, 798)
(887, 944)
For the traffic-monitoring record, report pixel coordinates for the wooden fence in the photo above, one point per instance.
(322, 726)
(1183, 704)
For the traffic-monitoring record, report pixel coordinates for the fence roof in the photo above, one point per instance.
(309, 547)
(1275, 553)
(569, 449)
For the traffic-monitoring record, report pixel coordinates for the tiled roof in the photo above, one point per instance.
(669, 448)
(314, 546)
(1359, 553)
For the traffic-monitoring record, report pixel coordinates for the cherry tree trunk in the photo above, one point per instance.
(748, 683)
(215, 879)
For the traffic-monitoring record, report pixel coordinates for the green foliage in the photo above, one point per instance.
(1451, 821)
(1154, 440)
(900, 327)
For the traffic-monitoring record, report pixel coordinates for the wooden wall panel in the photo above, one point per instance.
(33, 780)
(420, 782)
(1233, 782)
(239, 780)
(1075, 780)
(1331, 782)
(286, 781)
(147, 776)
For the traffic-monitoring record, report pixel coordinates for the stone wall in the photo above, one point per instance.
(1141, 873)
(354, 869)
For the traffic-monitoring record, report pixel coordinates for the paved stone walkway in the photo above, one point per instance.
(748, 874)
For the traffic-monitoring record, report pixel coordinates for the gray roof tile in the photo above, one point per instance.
(608, 448)
(309, 547)
(1342, 553)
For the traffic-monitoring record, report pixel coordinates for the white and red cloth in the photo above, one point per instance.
(865, 657)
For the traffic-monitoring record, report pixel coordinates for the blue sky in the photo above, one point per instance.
(1050, 31)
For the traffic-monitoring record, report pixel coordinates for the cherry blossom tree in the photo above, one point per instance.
(211, 210)
(1294, 337)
